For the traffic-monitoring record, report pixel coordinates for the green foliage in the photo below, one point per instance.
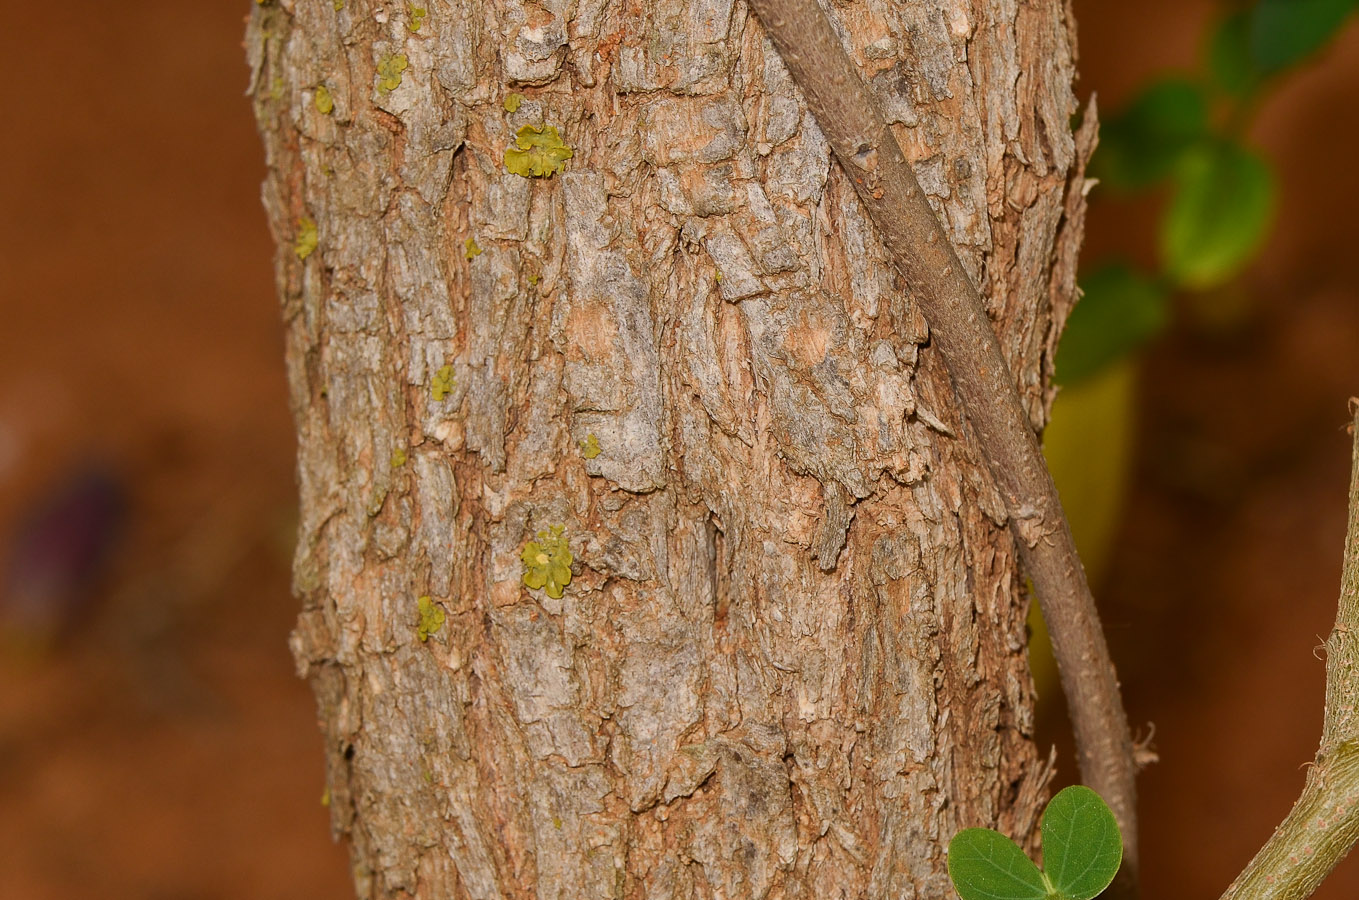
(443, 383)
(1269, 36)
(537, 152)
(1082, 850)
(1143, 142)
(1220, 214)
(389, 72)
(1121, 309)
(1184, 132)
(986, 865)
(1284, 32)
(547, 562)
(432, 618)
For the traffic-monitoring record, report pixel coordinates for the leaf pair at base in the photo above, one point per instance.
(1082, 851)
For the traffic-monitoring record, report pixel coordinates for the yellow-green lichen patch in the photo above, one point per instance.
(417, 16)
(276, 88)
(547, 562)
(470, 248)
(338, 4)
(398, 458)
(431, 618)
(537, 152)
(324, 103)
(304, 244)
(389, 72)
(533, 279)
(443, 382)
(512, 102)
(325, 796)
(589, 448)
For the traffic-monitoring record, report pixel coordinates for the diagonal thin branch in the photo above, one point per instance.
(1324, 822)
(851, 120)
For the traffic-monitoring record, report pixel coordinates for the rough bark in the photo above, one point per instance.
(911, 231)
(790, 661)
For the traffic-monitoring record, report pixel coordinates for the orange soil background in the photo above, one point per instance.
(166, 750)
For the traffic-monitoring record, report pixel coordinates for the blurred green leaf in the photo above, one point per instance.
(986, 865)
(1229, 56)
(1082, 848)
(1223, 203)
(1121, 308)
(1283, 32)
(1143, 142)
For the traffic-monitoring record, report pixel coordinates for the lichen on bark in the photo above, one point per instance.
(790, 658)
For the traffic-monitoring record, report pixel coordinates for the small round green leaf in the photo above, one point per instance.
(1220, 214)
(1119, 311)
(1142, 142)
(1082, 848)
(986, 865)
(1284, 32)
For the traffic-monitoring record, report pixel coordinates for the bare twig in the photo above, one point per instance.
(850, 118)
(1324, 823)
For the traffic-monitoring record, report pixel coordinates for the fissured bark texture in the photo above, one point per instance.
(790, 661)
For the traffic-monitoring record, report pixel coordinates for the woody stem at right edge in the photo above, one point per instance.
(1323, 825)
(851, 121)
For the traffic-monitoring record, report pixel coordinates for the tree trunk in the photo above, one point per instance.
(790, 658)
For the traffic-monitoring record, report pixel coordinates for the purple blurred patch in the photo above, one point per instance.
(60, 548)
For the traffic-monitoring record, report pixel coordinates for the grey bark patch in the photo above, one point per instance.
(691, 130)
(735, 268)
(686, 49)
(830, 540)
(604, 327)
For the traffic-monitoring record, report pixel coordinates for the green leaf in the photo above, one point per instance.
(1142, 143)
(1229, 56)
(1220, 214)
(1120, 310)
(986, 865)
(1082, 849)
(1283, 32)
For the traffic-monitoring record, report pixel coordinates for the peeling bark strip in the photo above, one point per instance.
(910, 229)
(789, 661)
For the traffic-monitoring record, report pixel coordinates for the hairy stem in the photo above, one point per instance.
(1324, 823)
(852, 122)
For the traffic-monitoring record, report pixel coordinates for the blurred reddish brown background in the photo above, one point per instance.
(165, 748)
(1225, 578)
